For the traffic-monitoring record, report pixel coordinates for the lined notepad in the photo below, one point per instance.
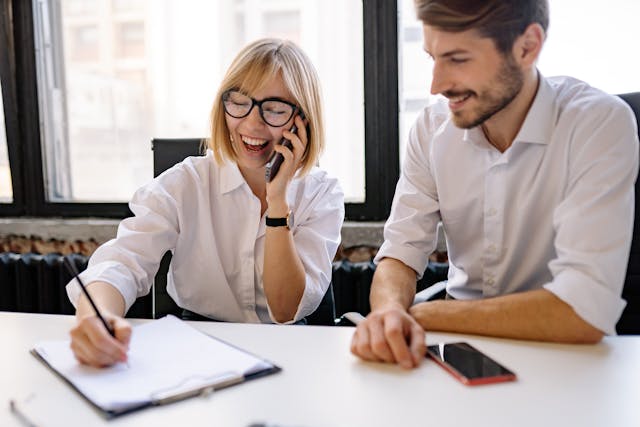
(168, 360)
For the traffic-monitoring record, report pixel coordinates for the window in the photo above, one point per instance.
(78, 130)
(83, 43)
(415, 70)
(152, 71)
(93, 81)
(584, 40)
(130, 40)
(6, 189)
(594, 43)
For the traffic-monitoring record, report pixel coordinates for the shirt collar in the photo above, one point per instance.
(537, 125)
(230, 177)
(539, 122)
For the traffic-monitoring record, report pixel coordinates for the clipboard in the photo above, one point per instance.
(154, 376)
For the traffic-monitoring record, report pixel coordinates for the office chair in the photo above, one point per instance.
(166, 153)
(629, 322)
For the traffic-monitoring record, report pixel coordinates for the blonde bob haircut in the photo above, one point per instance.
(251, 70)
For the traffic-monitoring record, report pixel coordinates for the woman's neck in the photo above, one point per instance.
(256, 181)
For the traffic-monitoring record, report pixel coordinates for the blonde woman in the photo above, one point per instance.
(244, 249)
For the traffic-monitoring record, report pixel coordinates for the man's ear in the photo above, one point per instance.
(528, 45)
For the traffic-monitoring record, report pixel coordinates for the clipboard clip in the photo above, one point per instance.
(195, 386)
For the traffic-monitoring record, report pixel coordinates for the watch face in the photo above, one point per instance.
(290, 220)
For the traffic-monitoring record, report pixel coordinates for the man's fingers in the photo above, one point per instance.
(379, 342)
(360, 343)
(391, 336)
(394, 331)
(417, 345)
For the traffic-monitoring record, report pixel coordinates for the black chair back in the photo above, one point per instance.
(629, 322)
(167, 153)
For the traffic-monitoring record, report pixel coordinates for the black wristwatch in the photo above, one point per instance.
(281, 222)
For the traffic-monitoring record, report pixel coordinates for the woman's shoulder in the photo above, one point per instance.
(191, 167)
(317, 183)
(318, 177)
(192, 172)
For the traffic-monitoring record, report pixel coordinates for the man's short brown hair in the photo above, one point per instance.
(500, 20)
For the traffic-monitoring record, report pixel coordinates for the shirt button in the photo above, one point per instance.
(490, 282)
(491, 212)
(491, 248)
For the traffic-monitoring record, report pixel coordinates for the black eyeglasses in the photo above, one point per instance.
(274, 111)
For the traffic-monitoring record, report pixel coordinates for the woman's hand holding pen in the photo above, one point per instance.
(92, 344)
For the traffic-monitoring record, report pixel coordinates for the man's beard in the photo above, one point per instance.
(509, 80)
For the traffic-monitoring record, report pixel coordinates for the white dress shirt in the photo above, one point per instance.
(554, 211)
(210, 220)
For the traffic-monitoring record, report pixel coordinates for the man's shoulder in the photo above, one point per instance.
(436, 110)
(433, 116)
(589, 116)
(576, 96)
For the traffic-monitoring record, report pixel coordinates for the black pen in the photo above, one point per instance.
(72, 269)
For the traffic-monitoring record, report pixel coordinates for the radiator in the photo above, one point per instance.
(36, 283)
(352, 283)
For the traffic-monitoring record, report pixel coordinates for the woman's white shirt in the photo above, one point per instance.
(207, 216)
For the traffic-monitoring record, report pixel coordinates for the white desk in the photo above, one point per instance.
(322, 384)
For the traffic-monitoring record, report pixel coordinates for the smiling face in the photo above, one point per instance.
(477, 79)
(251, 138)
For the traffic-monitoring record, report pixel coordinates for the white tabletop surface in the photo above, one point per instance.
(322, 384)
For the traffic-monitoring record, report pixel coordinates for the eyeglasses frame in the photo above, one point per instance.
(255, 102)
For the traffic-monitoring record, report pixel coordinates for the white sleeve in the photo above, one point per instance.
(130, 261)
(316, 235)
(594, 222)
(410, 233)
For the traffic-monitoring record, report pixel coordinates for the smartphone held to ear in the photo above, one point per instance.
(273, 165)
(469, 365)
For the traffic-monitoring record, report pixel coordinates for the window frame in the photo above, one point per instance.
(19, 86)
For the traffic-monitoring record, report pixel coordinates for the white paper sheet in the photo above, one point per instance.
(164, 355)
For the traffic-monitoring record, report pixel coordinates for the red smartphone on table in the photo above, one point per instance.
(469, 365)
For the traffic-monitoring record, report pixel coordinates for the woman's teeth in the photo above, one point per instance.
(254, 144)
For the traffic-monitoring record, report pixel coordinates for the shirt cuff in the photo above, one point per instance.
(595, 304)
(306, 306)
(111, 272)
(413, 258)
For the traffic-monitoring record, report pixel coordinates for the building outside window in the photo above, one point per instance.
(113, 74)
(585, 40)
(123, 73)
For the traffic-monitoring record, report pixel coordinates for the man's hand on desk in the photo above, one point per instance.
(92, 344)
(390, 335)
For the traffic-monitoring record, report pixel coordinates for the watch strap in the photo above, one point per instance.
(276, 222)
